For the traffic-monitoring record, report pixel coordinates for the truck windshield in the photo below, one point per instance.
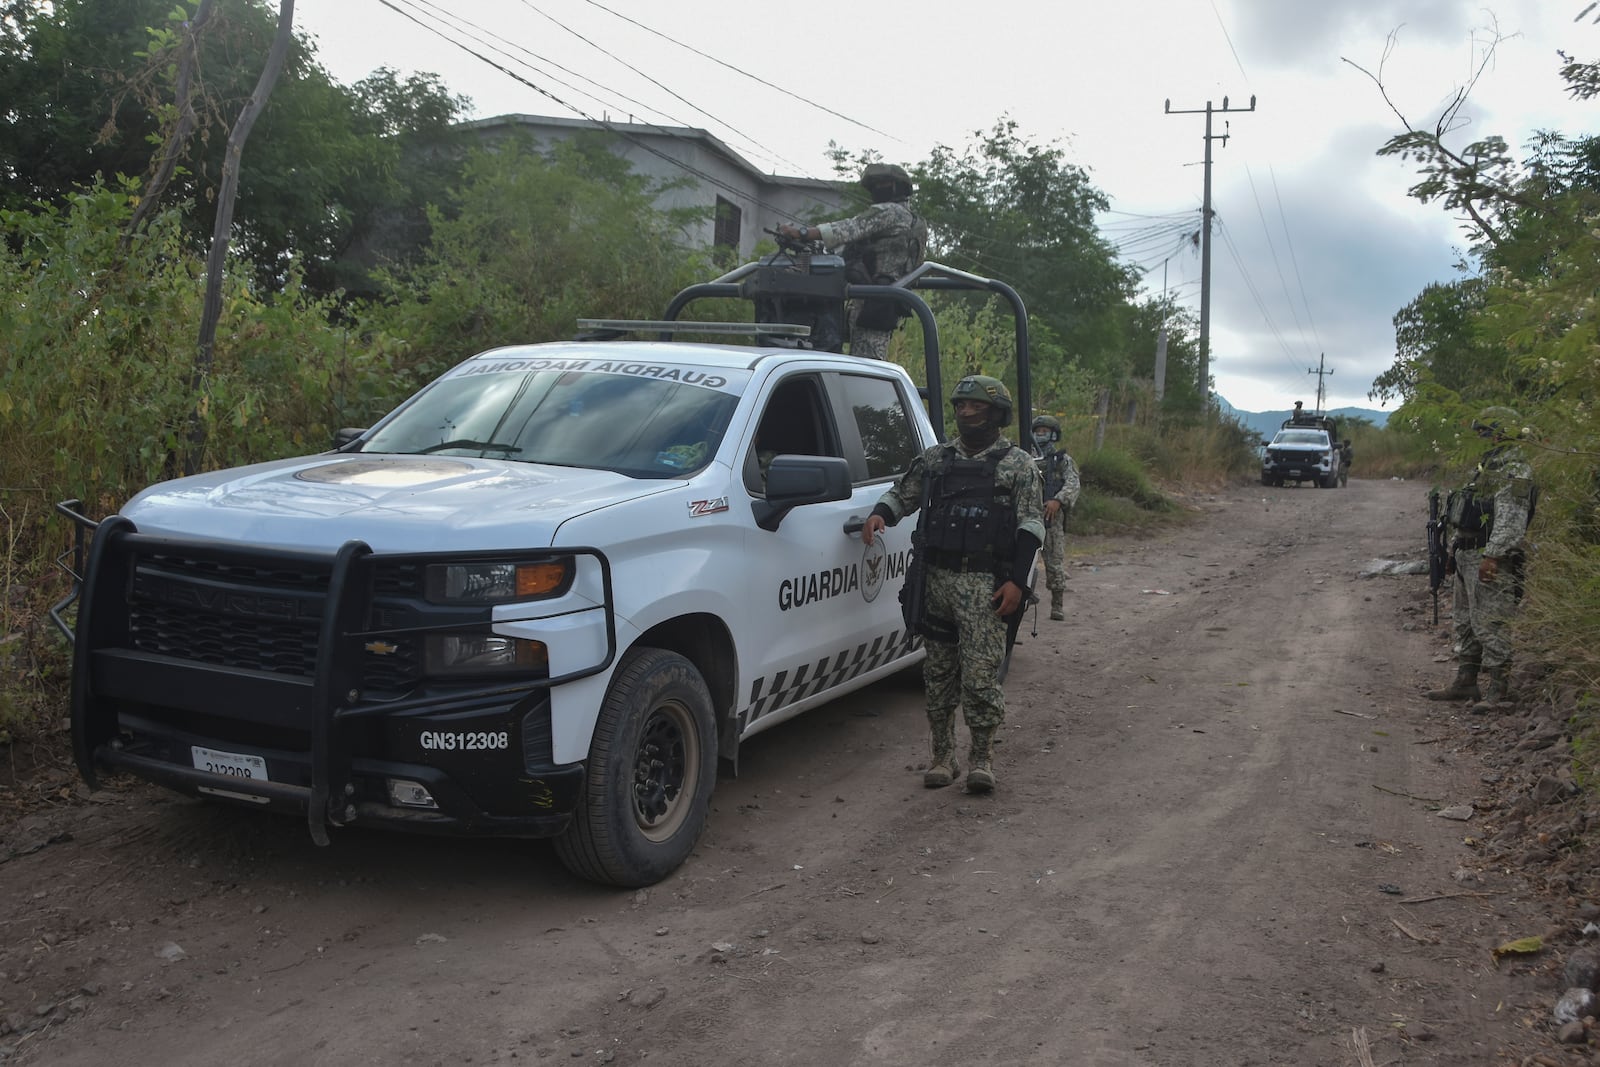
(636, 425)
(1302, 437)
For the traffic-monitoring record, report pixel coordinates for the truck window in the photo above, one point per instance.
(887, 439)
(795, 423)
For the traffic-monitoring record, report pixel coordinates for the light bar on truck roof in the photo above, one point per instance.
(741, 329)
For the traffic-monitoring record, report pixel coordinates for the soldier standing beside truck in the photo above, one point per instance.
(981, 524)
(1061, 487)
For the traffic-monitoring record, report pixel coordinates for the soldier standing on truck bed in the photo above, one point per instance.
(880, 246)
(1061, 486)
(1487, 526)
(981, 523)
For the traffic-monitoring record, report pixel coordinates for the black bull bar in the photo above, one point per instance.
(325, 704)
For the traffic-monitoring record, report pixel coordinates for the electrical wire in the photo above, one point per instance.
(1293, 259)
(1255, 293)
(745, 73)
(1272, 249)
(612, 55)
(709, 179)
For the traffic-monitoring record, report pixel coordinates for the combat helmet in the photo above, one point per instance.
(881, 173)
(1498, 422)
(991, 391)
(1049, 422)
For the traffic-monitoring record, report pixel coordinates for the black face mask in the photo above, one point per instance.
(977, 435)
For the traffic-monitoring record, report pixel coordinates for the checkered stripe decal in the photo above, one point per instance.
(768, 694)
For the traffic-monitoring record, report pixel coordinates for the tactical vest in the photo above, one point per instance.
(970, 522)
(1470, 509)
(884, 259)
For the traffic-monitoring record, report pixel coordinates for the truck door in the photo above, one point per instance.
(826, 607)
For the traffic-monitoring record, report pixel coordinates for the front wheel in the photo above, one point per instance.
(652, 764)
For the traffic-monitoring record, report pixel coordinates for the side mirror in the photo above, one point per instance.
(793, 481)
(346, 436)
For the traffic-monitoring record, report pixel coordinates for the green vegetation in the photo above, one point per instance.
(356, 277)
(1518, 331)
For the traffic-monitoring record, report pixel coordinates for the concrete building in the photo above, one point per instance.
(741, 200)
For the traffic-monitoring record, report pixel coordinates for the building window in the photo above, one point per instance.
(727, 225)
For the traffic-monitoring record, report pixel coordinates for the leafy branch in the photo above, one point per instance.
(1479, 179)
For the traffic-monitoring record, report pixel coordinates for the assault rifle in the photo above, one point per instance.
(1014, 620)
(914, 593)
(1437, 557)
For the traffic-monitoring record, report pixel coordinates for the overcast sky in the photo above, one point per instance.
(1316, 244)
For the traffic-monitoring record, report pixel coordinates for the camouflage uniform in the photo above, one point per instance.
(1503, 483)
(881, 245)
(966, 673)
(1056, 466)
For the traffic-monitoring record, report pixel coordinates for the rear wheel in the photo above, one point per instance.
(651, 768)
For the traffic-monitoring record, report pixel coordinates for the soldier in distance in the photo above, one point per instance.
(1061, 486)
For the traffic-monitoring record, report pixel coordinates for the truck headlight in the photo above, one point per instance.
(496, 581)
(449, 655)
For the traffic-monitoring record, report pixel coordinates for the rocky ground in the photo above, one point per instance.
(1229, 830)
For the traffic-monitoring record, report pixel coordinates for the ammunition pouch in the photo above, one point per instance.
(876, 313)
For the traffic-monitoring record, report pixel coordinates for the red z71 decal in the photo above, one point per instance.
(707, 507)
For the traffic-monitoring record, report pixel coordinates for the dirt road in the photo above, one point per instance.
(1216, 841)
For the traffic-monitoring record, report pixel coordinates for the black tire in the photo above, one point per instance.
(1266, 479)
(651, 768)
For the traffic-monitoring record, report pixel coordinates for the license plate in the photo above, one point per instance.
(236, 765)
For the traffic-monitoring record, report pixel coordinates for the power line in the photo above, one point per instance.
(1229, 38)
(1272, 248)
(745, 73)
(605, 52)
(1255, 294)
(1298, 279)
(709, 179)
(487, 37)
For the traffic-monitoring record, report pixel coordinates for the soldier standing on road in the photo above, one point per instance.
(1061, 486)
(1488, 522)
(880, 246)
(981, 523)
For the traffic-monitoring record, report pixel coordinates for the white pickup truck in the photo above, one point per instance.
(547, 596)
(541, 598)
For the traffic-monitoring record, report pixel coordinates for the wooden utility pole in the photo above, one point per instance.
(1205, 238)
(1321, 373)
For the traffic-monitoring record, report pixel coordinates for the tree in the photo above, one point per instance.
(1436, 340)
(90, 90)
(217, 257)
(1479, 179)
(530, 241)
(1010, 209)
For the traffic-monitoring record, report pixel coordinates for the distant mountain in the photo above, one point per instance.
(1266, 423)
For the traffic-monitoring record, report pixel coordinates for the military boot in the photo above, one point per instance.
(980, 778)
(943, 769)
(1494, 697)
(1464, 687)
(1057, 596)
